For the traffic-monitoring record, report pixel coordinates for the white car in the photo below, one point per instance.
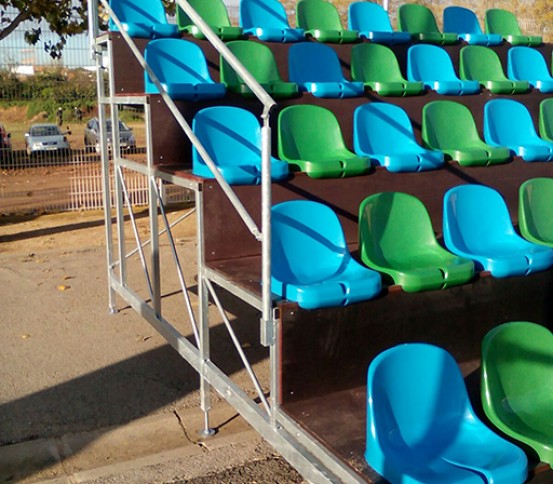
(46, 138)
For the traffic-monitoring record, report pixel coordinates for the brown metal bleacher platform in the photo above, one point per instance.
(325, 353)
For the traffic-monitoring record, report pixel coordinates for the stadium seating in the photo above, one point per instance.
(432, 65)
(372, 22)
(449, 126)
(477, 225)
(508, 123)
(464, 23)
(421, 427)
(377, 67)
(311, 263)
(310, 139)
(383, 133)
(482, 64)
(527, 63)
(516, 384)
(320, 20)
(142, 18)
(419, 21)
(267, 20)
(214, 13)
(396, 238)
(534, 210)
(181, 68)
(259, 60)
(505, 23)
(232, 137)
(316, 68)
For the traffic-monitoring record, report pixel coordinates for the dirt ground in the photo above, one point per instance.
(69, 366)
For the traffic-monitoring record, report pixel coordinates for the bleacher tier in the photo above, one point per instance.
(441, 147)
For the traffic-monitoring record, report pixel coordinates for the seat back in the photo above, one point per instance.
(508, 123)
(416, 19)
(146, 12)
(313, 62)
(368, 17)
(416, 399)
(525, 63)
(502, 22)
(461, 20)
(437, 119)
(394, 227)
(317, 14)
(229, 134)
(213, 12)
(546, 119)
(426, 62)
(372, 62)
(517, 373)
(308, 243)
(479, 63)
(380, 128)
(534, 210)
(263, 13)
(476, 219)
(175, 60)
(308, 132)
(256, 57)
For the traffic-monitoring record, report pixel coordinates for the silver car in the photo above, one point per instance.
(127, 141)
(46, 139)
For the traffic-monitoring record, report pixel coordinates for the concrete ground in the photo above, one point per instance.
(88, 396)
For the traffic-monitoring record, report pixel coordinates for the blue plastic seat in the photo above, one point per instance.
(232, 138)
(267, 20)
(421, 427)
(383, 133)
(316, 69)
(432, 65)
(142, 18)
(477, 225)
(508, 123)
(373, 23)
(464, 23)
(527, 64)
(311, 263)
(181, 68)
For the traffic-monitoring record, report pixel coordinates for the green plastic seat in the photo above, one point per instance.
(535, 199)
(214, 13)
(321, 20)
(517, 377)
(420, 22)
(482, 64)
(259, 60)
(396, 238)
(377, 67)
(310, 140)
(546, 119)
(449, 126)
(505, 23)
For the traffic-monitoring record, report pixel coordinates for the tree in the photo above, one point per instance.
(63, 17)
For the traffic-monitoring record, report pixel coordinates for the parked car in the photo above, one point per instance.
(5, 144)
(127, 141)
(46, 139)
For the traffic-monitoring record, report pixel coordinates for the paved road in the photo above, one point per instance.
(90, 397)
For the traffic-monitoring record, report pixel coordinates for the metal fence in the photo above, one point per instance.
(36, 177)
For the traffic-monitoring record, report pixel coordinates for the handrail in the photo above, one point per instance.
(267, 101)
(248, 220)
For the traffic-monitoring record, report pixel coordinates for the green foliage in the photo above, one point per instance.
(50, 89)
